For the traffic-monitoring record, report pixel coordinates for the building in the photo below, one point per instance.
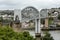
(6, 16)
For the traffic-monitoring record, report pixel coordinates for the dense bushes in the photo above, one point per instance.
(7, 33)
(57, 25)
(47, 36)
(59, 16)
(50, 20)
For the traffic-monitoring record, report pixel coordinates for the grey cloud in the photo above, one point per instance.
(12, 4)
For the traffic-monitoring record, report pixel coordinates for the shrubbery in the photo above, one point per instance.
(7, 33)
(50, 20)
(47, 36)
(57, 25)
(59, 16)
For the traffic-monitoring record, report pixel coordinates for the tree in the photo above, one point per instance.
(42, 21)
(47, 36)
(59, 17)
(1, 19)
(57, 25)
(6, 33)
(50, 20)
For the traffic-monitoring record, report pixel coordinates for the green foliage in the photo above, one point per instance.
(59, 17)
(1, 19)
(57, 25)
(6, 33)
(49, 14)
(50, 20)
(42, 21)
(47, 36)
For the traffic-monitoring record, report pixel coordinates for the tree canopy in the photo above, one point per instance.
(6, 33)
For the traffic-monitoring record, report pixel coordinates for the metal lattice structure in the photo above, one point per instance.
(29, 13)
(44, 13)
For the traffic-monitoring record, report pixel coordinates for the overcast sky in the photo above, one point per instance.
(20, 4)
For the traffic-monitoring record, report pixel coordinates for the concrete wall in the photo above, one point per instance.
(17, 12)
